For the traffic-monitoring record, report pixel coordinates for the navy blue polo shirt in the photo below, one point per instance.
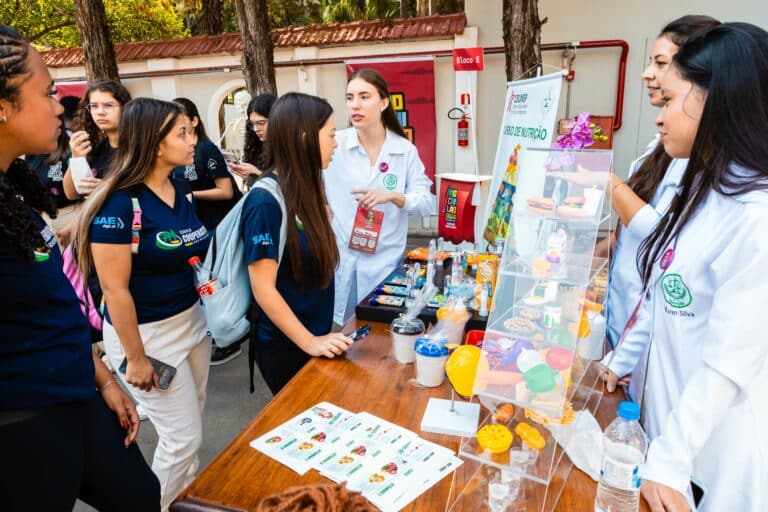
(45, 341)
(161, 281)
(209, 164)
(260, 229)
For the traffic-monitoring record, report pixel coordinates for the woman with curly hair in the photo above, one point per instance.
(63, 419)
(99, 119)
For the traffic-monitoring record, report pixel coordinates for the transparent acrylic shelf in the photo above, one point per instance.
(572, 272)
(582, 396)
(587, 222)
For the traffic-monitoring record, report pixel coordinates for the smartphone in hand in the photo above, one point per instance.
(165, 372)
(360, 333)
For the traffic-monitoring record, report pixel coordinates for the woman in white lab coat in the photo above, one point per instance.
(374, 168)
(705, 386)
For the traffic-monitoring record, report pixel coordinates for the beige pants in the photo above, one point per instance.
(176, 413)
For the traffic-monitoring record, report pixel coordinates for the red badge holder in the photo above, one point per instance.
(366, 230)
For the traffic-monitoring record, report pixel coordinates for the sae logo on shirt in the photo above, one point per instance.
(262, 239)
(109, 222)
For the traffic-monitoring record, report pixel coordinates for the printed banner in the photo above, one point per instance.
(412, 93)
(530, 115)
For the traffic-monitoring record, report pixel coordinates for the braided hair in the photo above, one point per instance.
(20, 188)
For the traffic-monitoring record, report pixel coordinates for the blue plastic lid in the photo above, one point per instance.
(629, 411)
(428, 347)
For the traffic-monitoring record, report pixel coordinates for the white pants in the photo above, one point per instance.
(176, 413)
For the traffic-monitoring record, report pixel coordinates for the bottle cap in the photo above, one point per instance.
(194, 260)
(629, 411)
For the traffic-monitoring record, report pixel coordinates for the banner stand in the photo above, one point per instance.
(459, 195)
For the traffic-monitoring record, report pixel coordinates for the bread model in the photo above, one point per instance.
(541, 205)
(572, 207)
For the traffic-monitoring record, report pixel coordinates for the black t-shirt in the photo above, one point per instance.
(209, 165)
(45, 342)
(312, 305)
(101, 157)
(52, 176)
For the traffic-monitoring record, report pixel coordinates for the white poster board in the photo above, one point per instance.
(530, 116)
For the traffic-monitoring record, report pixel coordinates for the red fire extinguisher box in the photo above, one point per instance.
(456, 211)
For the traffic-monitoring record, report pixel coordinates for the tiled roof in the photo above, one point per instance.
(334, 34)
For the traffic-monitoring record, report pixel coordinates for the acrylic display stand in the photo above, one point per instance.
(534, 329)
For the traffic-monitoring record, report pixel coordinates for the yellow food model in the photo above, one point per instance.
(494, 438)
(530, 435)
(462, 367)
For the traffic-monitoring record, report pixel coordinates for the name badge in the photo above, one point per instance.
(366, 230)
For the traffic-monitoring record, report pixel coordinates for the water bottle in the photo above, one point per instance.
(624, 447)
(206, 283)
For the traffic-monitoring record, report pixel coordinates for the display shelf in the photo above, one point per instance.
(537, 317)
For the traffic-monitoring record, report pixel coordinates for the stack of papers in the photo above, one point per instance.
(389, 465)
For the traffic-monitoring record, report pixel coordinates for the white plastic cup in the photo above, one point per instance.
(430, 362)
(402, 347)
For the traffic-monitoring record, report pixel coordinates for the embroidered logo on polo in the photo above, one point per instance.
(390, 181)
(190, 172)
(167, 240)
(109, 222)
(676, 292)
(262, 239)
(44, 253)
(211, 164)
(55, 172)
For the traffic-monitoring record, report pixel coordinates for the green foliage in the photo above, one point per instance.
(51, 23)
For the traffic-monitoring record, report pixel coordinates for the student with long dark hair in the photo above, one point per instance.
(99, 121)
(296, 295)
(704, 381)
(139, 229)
(378, 170)
(67, 430)
(255, 136)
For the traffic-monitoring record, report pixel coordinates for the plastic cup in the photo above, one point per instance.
(404, 335)
(430, 362)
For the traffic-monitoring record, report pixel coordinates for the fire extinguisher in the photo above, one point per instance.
(463, 131)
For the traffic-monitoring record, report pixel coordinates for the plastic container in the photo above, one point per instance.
(431, 356)
(205, 282)
(592, 347)
(475, 337)
(624, 448)
(405, 332)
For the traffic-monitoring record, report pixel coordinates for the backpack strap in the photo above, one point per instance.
(135, 224)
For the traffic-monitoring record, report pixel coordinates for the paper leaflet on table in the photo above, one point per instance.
(390, 465)
(298, 442)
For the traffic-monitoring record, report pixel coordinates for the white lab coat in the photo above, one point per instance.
(624, 285)
(706, 394)
(351, 169)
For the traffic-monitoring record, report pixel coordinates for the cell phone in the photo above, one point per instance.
(699, 493)
(165, 372)
(360, 333)
(230, 156)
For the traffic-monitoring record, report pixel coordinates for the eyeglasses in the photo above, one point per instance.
(106, 107)
(258, 124)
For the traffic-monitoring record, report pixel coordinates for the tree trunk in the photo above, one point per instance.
(403, 8)
(421, 7)
(432, 7)
(258, 58)
(210, 21)
(100, 62)
(522, 38)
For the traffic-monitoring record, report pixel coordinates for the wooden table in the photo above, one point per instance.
(367, 379)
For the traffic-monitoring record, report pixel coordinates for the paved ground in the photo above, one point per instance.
(229, 408)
